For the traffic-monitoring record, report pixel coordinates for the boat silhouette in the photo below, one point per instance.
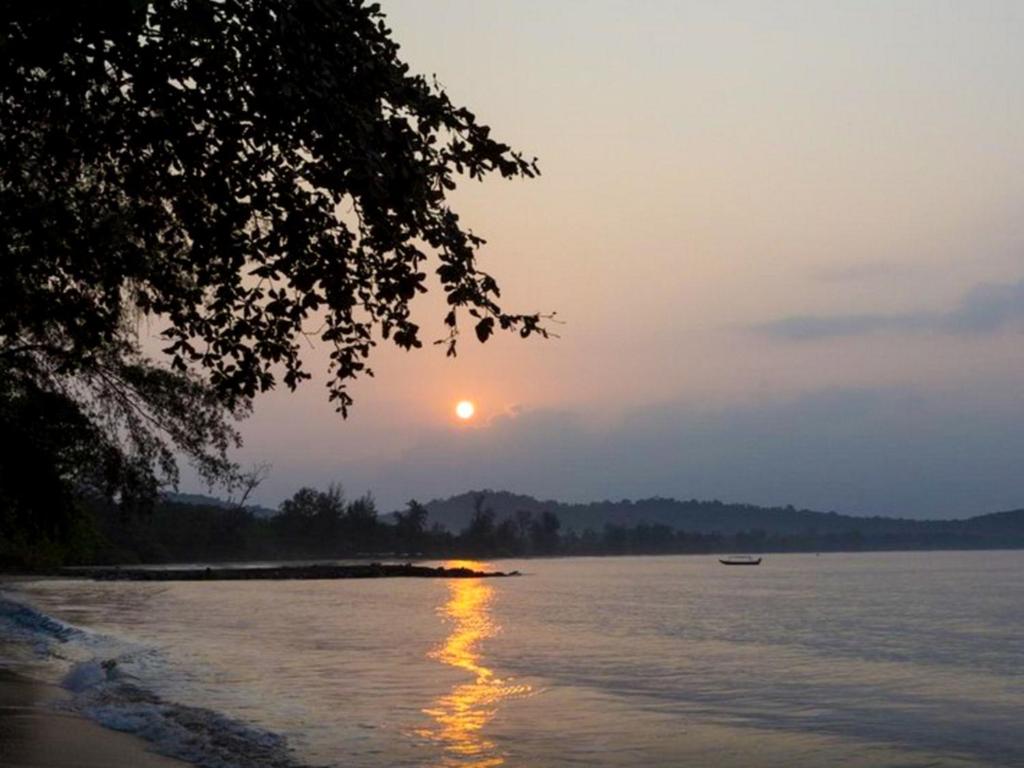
(740, 560)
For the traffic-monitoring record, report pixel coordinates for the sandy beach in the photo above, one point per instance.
(33, 735)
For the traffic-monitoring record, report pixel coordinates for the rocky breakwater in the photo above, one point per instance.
(280, 572)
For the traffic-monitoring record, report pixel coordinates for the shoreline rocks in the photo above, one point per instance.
(281, 572)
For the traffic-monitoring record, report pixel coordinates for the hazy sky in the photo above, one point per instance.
(785, 240)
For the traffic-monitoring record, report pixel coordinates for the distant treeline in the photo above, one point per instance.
(312, 524)
(316, 524)
(730, 518)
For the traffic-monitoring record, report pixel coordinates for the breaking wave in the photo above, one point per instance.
(104, 691)
(23, 623)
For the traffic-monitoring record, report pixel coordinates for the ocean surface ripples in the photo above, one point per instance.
(869, 659)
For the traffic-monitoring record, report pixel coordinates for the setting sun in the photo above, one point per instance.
(465, 409)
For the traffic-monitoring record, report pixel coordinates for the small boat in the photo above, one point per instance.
(740, 560)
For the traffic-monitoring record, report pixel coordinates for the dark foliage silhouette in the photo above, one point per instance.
(322, 525)
(249, 176)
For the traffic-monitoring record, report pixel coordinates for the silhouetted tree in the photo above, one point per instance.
(250, 175)
(410, 526)
(524, 522)
(479, 534)
(46, 445)
(440, 539)
(507, 541)
(312, 520)
(361, 525)
(615, 539)
(544, 533)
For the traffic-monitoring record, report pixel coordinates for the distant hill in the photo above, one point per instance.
(201, 500)
(788, 526)
(695, 516)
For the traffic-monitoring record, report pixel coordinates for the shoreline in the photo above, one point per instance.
(375, 569)
(35, 735)
(280, 573)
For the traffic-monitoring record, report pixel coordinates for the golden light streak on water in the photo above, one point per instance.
(462, 714)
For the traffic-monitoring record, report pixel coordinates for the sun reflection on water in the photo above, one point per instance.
(461, 714)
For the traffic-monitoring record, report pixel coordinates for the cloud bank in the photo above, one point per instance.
(987, 308)
(860, 452)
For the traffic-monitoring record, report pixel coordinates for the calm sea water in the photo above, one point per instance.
(861, 659)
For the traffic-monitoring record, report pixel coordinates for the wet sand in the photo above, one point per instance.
(34, 736)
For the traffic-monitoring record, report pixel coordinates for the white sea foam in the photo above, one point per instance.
(103, 691)
(191, 733)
